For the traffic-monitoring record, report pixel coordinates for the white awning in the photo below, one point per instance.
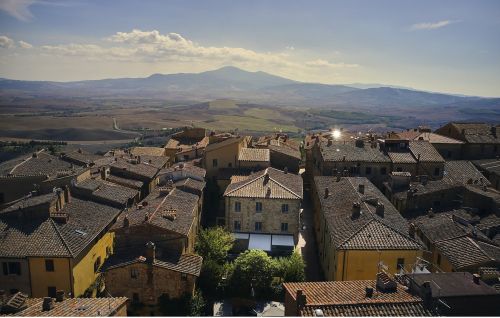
(241, 236)
(260, 242)
(283, 240)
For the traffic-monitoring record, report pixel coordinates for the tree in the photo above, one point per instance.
(291, 268)
(252, 269)
(197, 304)
(213, 244)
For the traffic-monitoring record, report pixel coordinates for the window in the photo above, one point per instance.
(134, 273)
(284, 208)
(237, 206)
(258, 226)
(214, 163)
(439, 259)
(437, 171)
(49, 265)
(237, 225)
(184, 277)
(97, 264)
(368, 170)
(400, 264)
(383, 171)
(135, 297)
(258, 206)
(51, 291)
(284, 227)
(11, 268)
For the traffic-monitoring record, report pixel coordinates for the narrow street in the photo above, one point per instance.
(307, 242)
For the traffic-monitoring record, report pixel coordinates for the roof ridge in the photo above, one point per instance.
(61, 237)
(355, 233)
(479, 247)
(283, 186)
(244, 184)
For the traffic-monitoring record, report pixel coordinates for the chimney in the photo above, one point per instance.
(411, 230)
(301, 299)
(150, 252)
(285, 171)
(126, 221)
(380, 209)
(48, 304)
(475, 278)
(35, 155)
(430, 213)
(80, 150)
(369, 291)
(104, 173)
(67, 194)
(59, 296)
(338, 177)
(266, 178)
(334, 172)
(356, 210)
(361, 188)
(326, 193)
(138, 159)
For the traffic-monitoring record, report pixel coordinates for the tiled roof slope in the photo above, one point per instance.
(476, 132)
(348, 150)
(401, 157)
(82, 157)
(282, 185)
(183, 203)
(431, 137)
(254, 154)
(74, 307)
(43, 164)
(490, 165)
(453, 284)
(286, 150)
(185, 263)
(463, 171)
(31, 201)
(441, 227)
(47, 238)
(147, 151)
(337, 209)
(348, 292)
(410, 309)
(140, 169)
(107, 190)
(464, 252)
(426, 151)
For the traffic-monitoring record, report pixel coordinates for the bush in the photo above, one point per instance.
(253, 268)
(213, 244)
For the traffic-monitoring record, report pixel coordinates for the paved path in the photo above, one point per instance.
(307, 243)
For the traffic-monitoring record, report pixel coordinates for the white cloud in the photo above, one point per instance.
(24, 45)
(6, 42)
(324, 63)
(17, 8)
(431, 25)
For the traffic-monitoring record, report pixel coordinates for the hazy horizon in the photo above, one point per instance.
(447, 46)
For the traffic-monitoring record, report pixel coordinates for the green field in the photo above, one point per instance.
(229, 122)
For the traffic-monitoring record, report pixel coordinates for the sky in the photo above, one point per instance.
(441, 46)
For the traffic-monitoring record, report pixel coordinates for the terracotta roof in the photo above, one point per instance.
(155, 161)
(392, 228)
(182, 202)
(191, 183)
(268, 183)
(431, 137)
(43, 164)
(295, 153)
(489, 165)
(47, 238)
(464, 252)
(348, 293)
(476, 133)
(254, 154)
(74, 307)
(462, 171)
(30, 201)
(348, 151)
(185, 263)
(135, 184)
(409, 309)
(452, 284)
(223, 143)
(139, 169)
(107, 190)
(186, 168)
(148, 151)
(81, 157)
(426, 151)
(401, 157)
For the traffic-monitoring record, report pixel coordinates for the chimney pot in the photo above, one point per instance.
(48, 303)
(60, 295)
(475, 278)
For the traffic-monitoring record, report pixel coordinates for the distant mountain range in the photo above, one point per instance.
(232, 82)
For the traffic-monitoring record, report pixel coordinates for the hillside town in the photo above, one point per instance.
(218, 223)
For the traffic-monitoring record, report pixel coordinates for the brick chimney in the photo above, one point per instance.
(150, 252)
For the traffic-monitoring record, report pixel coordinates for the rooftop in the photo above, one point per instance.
(431, 137)
(295, 153)
(107, 190)
(425, 151)
(463, 252)
(489, 165)
(148, 151)
(368, 229)
(139, 169)
(464, 171)
(348, 151)
(254, 154)
(268, 183)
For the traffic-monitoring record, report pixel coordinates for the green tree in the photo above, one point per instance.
(214, 243)
(253, 268)
(291, 268)
(197, 304)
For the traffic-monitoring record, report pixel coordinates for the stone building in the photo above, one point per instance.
(222, 152)
(138, 170)
(266, 202)
(145, 277)
(54, 242)
(284, 152)
(358, 231)
(39, 172)
(481, 140)
(187, 144)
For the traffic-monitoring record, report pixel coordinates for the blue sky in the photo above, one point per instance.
(447, 46)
